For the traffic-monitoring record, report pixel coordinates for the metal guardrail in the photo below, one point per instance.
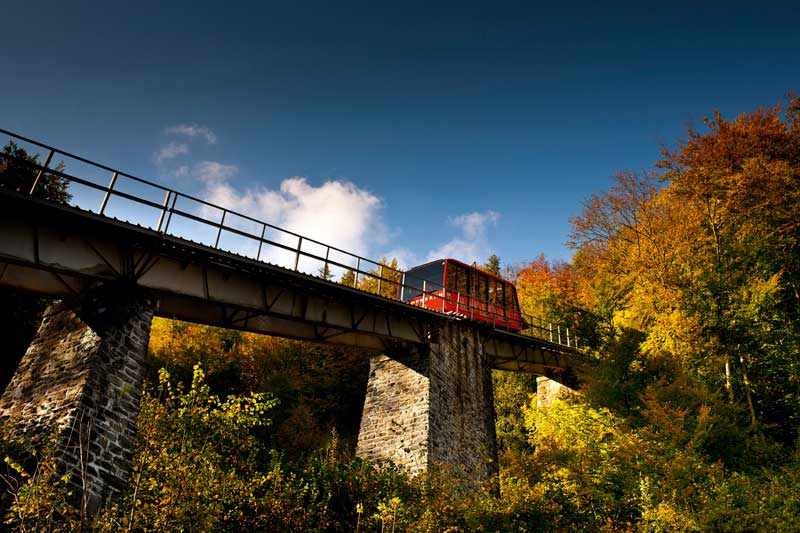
(376, 280)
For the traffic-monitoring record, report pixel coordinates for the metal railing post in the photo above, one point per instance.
(221, 225)
(380, 277)
(567, 337)
(325, 270)
(297, 256)
(403, 287)
(171, 210)
(424, 290)
(164, 205)
(471, 304)
(559, 334)
(41, 170)
(261, 241)
(108, 193)
(358, 268)
(550, 327)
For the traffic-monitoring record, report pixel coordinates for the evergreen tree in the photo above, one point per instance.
(492, 265)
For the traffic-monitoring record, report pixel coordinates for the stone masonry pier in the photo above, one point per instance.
(433, 407)
(80, 381)
(549, 390)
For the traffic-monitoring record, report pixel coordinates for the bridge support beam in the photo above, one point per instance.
(434, 407)
(80, 381)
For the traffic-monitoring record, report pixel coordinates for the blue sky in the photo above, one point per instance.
(415, 129)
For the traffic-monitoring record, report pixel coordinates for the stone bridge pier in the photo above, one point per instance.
(80, 381)
(433, 407)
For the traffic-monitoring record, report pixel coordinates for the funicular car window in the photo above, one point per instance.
(510, 304)
(495, 292)
(428, 276)
(478, 286)
(456, 279)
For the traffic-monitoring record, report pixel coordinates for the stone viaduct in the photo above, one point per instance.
(429, 397)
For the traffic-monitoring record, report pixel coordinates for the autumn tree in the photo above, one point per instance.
(738, 180)
(702, 260)
(384, 279)
(348, 279)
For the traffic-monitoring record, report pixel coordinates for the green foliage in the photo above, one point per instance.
(512, 391)
(492, 265)
(18, 173)
(36, 498)
(195, 461)
(318, 386)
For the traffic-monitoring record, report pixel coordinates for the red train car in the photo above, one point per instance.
(450, 286)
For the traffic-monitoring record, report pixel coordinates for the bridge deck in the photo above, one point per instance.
(59, 251)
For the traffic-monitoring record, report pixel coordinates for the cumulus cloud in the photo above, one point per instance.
(406, 258)
(193, 131)
(171, 151)
(337, 213)
(213, 173)
(472, 243)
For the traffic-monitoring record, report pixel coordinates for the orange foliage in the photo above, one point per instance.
(742, 166)
(544, 286)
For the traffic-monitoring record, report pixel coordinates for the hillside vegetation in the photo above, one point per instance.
(685, 289)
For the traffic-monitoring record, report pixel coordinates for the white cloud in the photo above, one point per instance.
(179, 172)
(174, 148)
(337, 213)
(171, 151)
(406, 258)
(193, 130)
(474, 224)
(213, 173)
(472, 245)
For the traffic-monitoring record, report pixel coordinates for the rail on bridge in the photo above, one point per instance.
(155, 250)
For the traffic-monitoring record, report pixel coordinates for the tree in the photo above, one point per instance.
(384, 279)
(492, 265)
(703, 261)
(325, 272)
(739, 178)
(348, 278)
(18, 173)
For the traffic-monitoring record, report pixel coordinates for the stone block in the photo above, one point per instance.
(67, 384)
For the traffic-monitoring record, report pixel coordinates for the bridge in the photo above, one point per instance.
(124, 249)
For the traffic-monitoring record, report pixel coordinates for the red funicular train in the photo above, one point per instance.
(450, 286)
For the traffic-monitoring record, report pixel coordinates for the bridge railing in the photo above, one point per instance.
(116, 194)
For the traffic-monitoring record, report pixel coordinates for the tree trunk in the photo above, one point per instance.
(728, 384)
(748, 395)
